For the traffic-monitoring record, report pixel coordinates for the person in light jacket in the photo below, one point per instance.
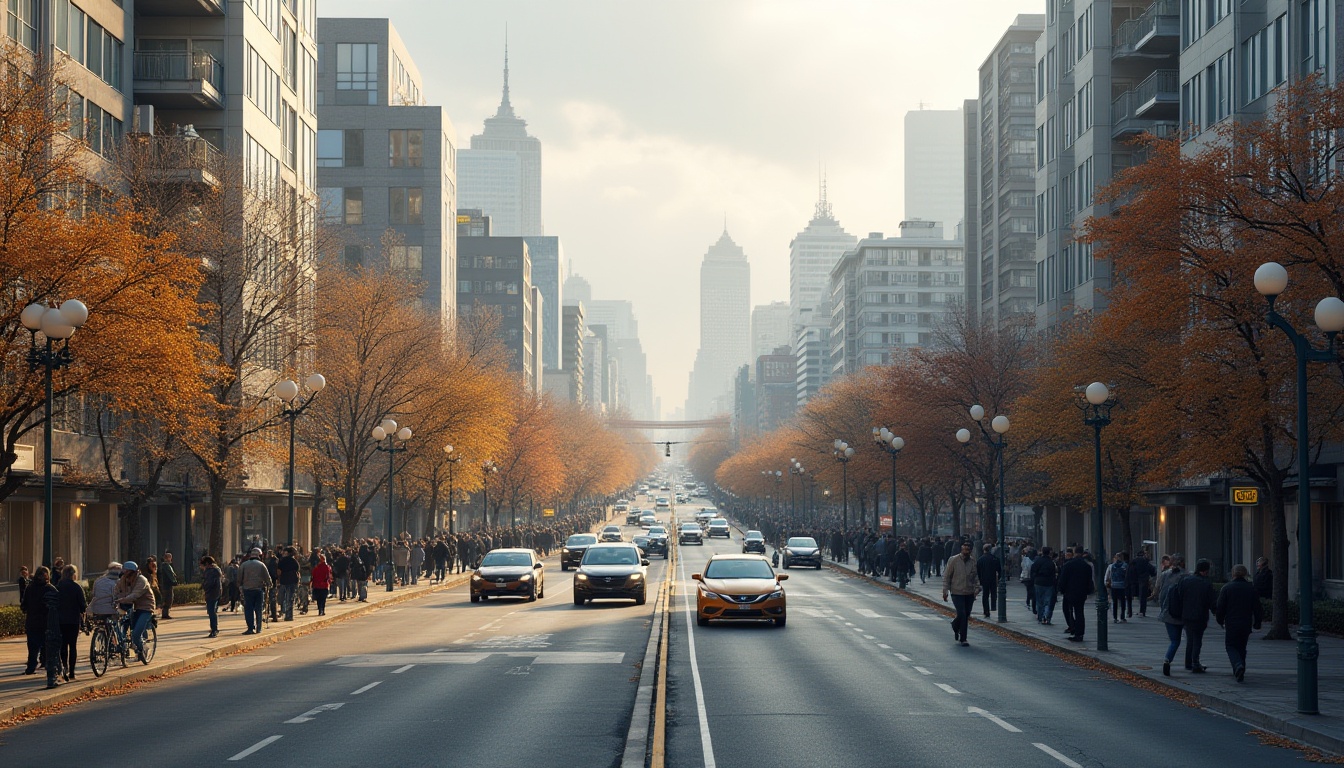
(960, 579)
(133, 589)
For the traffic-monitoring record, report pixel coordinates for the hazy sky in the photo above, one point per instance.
(657, 119)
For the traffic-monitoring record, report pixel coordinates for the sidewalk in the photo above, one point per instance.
(183, 644)
(1267, 700)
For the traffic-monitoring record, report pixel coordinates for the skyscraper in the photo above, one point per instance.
(501, 173)
(812, 254)
(725, 330)
(934, 168)
(771, 328)
(548, 264)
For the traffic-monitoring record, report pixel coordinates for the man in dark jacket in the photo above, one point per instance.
(1197, 599)
(167, 580)
(1240, 612)
(1075, 584)
(1264, 579)
(35, 618)
(1045, 579)
(1141, 572)
(987, 569)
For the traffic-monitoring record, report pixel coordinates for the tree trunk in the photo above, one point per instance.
(956, 517)
(218, 483)
(432, 512)
(130, 514)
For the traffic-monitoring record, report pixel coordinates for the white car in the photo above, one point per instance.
(611, 533)
(648, 520)
(719, 527)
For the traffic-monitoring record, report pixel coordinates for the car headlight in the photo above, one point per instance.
(565, 550)
(525, 577)
(712, 595)
(636, 576)
(475, 577)
(580, 577)
(776, 594)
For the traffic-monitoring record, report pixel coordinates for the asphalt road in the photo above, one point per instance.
(861, 677)
(435, 681)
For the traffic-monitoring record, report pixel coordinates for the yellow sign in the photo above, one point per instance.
(1245, 497)
(463, 219)
(340, 503)
(548, 513)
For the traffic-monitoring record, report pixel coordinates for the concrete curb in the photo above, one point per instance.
(1298, 730)
(42, 697)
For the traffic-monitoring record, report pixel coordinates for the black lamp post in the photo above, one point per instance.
(795, 470)
(452, 513)
(1096, 401)
(843, 453)
(188, 520)
(388, 431)
(1271, 279)
(55, 325)
(999, 424)
(487, 468)
(891, 443)
(288, 391)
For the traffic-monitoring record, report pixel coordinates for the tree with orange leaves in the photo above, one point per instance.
(530, 466)
(1190, 230)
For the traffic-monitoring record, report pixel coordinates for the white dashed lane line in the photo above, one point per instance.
(260, 745)
(1061, 758)
(902, 657)
(312, 714)
(884, 646)
(1005, 725)
(367, 687)
(399, 670)
(923, 671)
(948, 688)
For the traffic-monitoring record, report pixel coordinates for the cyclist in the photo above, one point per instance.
(133, 588)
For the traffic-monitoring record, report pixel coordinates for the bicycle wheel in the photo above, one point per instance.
(151, 644)
(98, 652)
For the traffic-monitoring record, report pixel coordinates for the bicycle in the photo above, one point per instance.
(108, 640)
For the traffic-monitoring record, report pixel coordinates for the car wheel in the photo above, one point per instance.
(564, 567)
(542, 594)
(578, 600)
(701, 621)
(532, 595)
(475, 598)
(640, 598)
(780, 621)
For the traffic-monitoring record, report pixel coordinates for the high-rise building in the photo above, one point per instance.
(934, 167)
(496, 273)
(501, 173)
(811, 348)
(1001, 179)
(385, 161)
(812, 254)
(891, 293)
(771, 328)
(776, 397)
(725, 330)
(620, 342)
(548, 264)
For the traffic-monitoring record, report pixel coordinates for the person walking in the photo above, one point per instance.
(35, 618)
(1197, 599)
(167, 580)
(1045, 577)
(287, 575)
(71, 607)
(359, 574)
(1141, 572)
(1239, 611)
(322, 576)
(231, 573)
(254, 580)
(987, 571)
(1116, 580)
(1028, 557)
(417, 562)
(1169, 605)
(1264, 579)
(1075, 584)
(959, 578)
(212, 587)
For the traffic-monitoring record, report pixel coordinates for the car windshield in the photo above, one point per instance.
(506, 558)
(754, 535)
(657, 529)
(580, 540)
(803, 542)
(611, 556)
(689, 527)
(612, 528)
(739, 569)
(718, 523)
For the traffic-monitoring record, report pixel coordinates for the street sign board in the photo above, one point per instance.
(884, 522)
(340, 503)
(548, 513)
(1245, 497)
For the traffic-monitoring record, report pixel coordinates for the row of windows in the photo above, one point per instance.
(1265, 59)
(893, 257)
(1076, 41)
(488, 287)
(1206, 98)
(489, 262)
(92, 124)
(87, 42)
(21, 22)
(357, 68)
(262, 169)
(1059, 274)
(1199, 16)
(269, 13)
(405, 205)
(262, 85)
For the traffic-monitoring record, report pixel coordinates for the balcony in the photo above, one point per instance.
(213, 8)
(1152, 106)
(1155, 32)
(180, 160)
(179, 80)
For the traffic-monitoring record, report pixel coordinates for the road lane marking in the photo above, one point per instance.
(314, 712)
(923, 671)
(884, 646)
(1004, 724)
(1047, 750)
(902, 657)
(948, 688)
(262, 745)
(706, 745)
(243, 662)
(867, 613)
(869, 637)
(399, 670)
(539, 657)
(918, 616)
(367, 687)
(858, 629)
(849, 623)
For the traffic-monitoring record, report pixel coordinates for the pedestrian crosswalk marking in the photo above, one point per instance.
(243, 662)
(509, 641)
(467, 657)
(867, 613)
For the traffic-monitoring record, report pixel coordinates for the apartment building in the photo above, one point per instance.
(496, 273)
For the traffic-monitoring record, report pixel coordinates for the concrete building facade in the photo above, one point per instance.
(812, 254)
(935, 167)
(771, 328)
(496, 273)
(548, 265)
(725, 328)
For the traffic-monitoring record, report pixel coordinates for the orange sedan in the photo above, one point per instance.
(739, 588)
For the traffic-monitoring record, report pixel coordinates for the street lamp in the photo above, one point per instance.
(999, 424)
(891, 443)
(294, 406)
(1096, 401)
(843, 453)
(487, 468)
(388, 431)
(452, 462)
(55, 324)
(1271, 279)
(795, 470)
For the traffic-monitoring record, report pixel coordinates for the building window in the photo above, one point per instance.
(406, 259)
(357, 68)
(354, 206)
(1315, 25)
(405, 205)
(22, 22)
(406, 148)
(340, 149)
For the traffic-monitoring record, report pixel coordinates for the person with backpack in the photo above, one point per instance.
(1141, 572)
(1169, 606)
(1116, 580)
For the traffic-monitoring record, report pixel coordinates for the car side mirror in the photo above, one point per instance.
(538, 565)
(697, 577)
(643, 561)
(781, 577)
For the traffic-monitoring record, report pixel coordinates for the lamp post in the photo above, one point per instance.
(487, 468)
(1096, 401)
(288, 391)
(55, 324)
(843, 453)
(891, 443)
(999, 424)
(188, 520)
(1271, 279)
(452, 462)
(388, 431)
(795, 470)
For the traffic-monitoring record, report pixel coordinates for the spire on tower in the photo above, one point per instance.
(823, 212)
(505, 108)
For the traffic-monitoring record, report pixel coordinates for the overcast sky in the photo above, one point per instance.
(657, 119)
